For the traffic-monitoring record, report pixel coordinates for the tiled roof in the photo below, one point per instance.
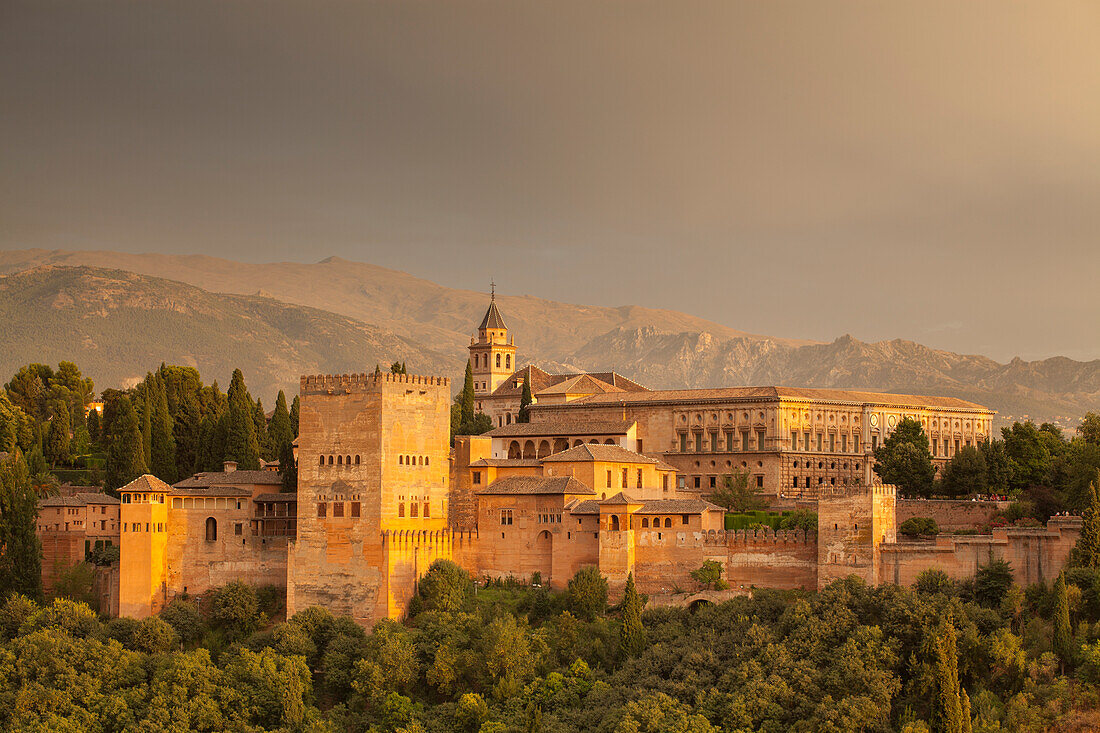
(537, 485)
(80, 498)
(598, 452)
(541, 380)
(583, 384)
(511, 462)
(177, 490)
(146, 483)
(561, 427)
(583, 506)
(221, 478)
(620, 498)
(286, 497)
(492, 318)
(734, 394)
(678, 506)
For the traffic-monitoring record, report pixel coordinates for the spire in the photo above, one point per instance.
(492, 317)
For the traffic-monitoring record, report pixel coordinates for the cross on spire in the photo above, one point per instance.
(493, 291)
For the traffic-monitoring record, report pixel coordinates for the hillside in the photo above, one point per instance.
(662, 349)
(117, 325)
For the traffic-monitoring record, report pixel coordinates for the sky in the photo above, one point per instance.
(922, 170)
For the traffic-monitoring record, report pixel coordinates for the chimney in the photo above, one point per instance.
(229, 466)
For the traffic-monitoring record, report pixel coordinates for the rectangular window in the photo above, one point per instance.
(477, 477)
(794, 482)
(609, 478)
(844, 443)
(759, 482)
(506, 517)
(427, 513)
(935, 447)
(238, 529)
(638, 449)
(713, 445)
(760, 439)
(639, 478)
(355, 509)
(874, 442)
(832, 442)
(337, 508)
(401, 509)
(744, 440)
(819, 442)
(794, 440)
(413, 508)
(683, 442)
(664, 482)
(713, 482)
(698, 481)
(624, 478)
(681, 482)
(699, 448)
(683, 519)
(322, 510)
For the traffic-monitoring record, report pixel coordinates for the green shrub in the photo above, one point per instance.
(918, 526)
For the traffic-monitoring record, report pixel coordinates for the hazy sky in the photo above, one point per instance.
(921, 170)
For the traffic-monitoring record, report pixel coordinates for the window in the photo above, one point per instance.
(759, 482)
(794, 482)
(339, 460)
(668, 522)
(684, 519)
(681, 482)
(729, 441)
(609, 478)
(238, 529)
(401, 509)
(874, 442)
(760, 439)
(330, 460)
(624, 477)
(355, 509)
(322, 460)
(498, 360)
(794, 440)
(699, 441)
(639, 478)
(645, 523)
(638, 448)
(744, 440)
(683, 442)
(322, 510)
(477, 477)
(337, 508)
(819, 442)
(211, 529)
(698, 481)
(506, 517)
(832, 442)
(664, 481)
(413, 508)
(427, 512)
(713, 482)
(357, 460)
(507, 361)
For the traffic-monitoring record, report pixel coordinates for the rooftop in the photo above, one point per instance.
(492, 318)
(276, 498)
(81, 498)
(537, 485)
(598, 452)
(230, 478)
(581, 384)
(562, 427)
(510, 462)
(541, 380)
(145, 484)
(678, 506)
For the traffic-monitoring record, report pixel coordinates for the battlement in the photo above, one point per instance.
(877, 490)
(723, 538)
(348, 383)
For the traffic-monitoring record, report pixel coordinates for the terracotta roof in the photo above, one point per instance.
(285, 497)
(620, 499)
(80, 498)
(583, 384)
(597, 452)
(492, 318)
(210, 491)
(541, 380)
(515, 462)
(221, 478)
(537, 485)
(734, 394)
(678, 506)
(146, 483)
(562, 427)
(583, 506)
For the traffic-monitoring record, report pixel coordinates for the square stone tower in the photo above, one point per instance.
(852, 525)
(372, 491)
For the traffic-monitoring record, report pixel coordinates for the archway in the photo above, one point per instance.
(529, 449)
(577, 442)
(544, 448)
(211, 529)
(697, 604)
(514, 450)
(614, 522)
(544, 555)
(609, 441)
(561, 444)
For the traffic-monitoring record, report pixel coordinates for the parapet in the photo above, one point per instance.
(348, 383)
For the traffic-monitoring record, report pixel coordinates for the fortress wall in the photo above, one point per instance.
(950, 515)
(1036, 555)
(61, 549)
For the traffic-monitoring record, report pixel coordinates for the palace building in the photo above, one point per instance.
(607, 473)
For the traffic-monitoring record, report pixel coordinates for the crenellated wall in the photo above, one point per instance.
(951, 515)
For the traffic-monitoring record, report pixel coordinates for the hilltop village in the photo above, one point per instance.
(600, 471)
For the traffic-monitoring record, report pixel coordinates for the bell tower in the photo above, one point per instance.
(492, 352)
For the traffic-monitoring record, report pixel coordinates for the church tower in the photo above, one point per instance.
(493, 352)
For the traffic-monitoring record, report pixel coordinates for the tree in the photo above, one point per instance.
(27, 389)
(288, 469)
(162, 440)
(279, 431)
(1062, 639)
(445, 587)
(236, 608)
(125, 454)
(996, 462)
(16, 427)
(20, 549)
(525, 403)
(587, 593)
(1086, 553)
(467, 399)
(966, 473)
(735, 495)
(932, 580)
(1089, 429)
(709, 575)
(398, 367)
(241, 443)
(632, 636)
(57, 435)
(295, 411)
(917, 526)
(905, 460)
(950, 704)
(1028, 452)
(991, 582)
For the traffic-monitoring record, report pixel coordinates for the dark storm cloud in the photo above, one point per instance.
(921, 170)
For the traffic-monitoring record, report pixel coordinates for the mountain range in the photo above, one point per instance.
(118, 315)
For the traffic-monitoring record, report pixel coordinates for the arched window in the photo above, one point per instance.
(427, 460)
(401, 460)
(322, 460)
(614, 523)
(507, 361)
(330, 460)
(668, 522)
(421, 460)
(347, 460)
(339, 460)
(357, 460)
(498, 361)
(211, 529)
(645, 523)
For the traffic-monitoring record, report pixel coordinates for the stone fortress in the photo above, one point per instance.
(605, 473)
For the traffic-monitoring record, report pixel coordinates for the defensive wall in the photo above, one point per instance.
(951, 515)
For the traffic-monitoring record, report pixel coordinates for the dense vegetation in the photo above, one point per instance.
(979, 656)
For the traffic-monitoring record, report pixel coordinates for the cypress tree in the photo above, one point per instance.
(294, 412)
(21, 559)
(1063, 635)
(288, 468)
(525, 403)
(125, 454)
(1086, 553)
(162, 458)
(950, 705)
(56, 444)
(241, 444)
(93, 425)
(259, 417)
(147, 419)
(467, 400)
(278, 430)
(632, 636)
